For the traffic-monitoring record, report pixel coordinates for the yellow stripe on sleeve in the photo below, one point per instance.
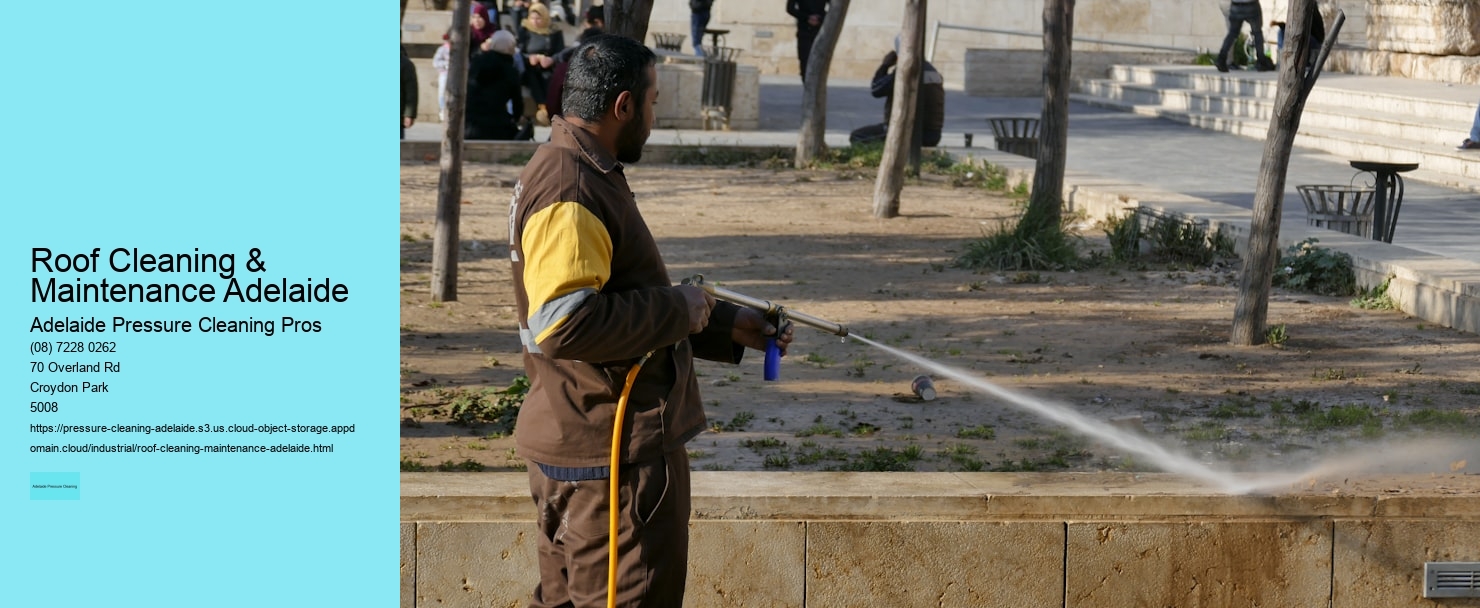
(567, 258)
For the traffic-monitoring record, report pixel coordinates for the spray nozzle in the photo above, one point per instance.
(774, 312)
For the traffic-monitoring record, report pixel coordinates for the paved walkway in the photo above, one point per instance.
(1157, 153)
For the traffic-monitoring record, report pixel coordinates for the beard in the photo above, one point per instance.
(631, 138)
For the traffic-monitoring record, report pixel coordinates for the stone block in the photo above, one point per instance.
(751, 563)
(1431, 27)
(1276, 563)
(475, 564)
(935, 563)
(1119, 19)
(408, 565)
(1379, 563)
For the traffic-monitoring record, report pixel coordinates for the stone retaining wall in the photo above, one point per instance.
(980, 539)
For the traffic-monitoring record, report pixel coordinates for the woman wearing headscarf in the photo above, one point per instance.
(494, 99)
(539, 43)
(482, 28)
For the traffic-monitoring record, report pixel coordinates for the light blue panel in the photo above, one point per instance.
(56, 486)
(174, 127)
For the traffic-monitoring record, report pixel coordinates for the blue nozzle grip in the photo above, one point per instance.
(773, 360)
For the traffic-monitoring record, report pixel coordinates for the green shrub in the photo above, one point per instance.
(1375, 298)
(1009, 249)
(496, 407)
(1306, 267)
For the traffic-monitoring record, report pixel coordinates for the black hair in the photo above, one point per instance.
(602, 68)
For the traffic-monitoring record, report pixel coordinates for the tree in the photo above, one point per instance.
(810, 141)
(449, 188)
(902, 113)
(1295, 83)
(1046, 203)
(628, 18)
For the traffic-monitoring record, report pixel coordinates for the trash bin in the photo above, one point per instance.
(1016, 135)
(719, 85)
(668, 41)
(1338, 207)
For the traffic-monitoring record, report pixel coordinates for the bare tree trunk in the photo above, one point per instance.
(811, 142)
(902, 113)
(1252, 309)
(1046, 203)
(449, 188)
(628, 18)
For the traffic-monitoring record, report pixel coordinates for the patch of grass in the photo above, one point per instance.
(1432, 419)
(766, 443)
(1235, 408)
(980, 431)
(809, 455)
(468, 465)
(860, 365)
(1330, 373)
(777, 461)
(964, 456)
(967, 174)
(818, 359)
(1375, 298)
(1124, 233)
(819, 429)
(1207, 430)
(1061, 458)
(864, 429)
(726, 156)
(496, 407)
(860, 156)
(411, 466)
(739, 422)
(1006, 248)
(1341, 416)
(885, 459)
(1276, 335)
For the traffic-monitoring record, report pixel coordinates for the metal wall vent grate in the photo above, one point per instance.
(1451, 579)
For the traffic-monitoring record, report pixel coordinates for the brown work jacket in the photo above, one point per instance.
(593, 296)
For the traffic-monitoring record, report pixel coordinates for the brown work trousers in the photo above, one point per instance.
(653, 533)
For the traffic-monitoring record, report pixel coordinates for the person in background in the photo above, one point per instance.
(408, 92)
(482, 28)
(539, 44)
(698, 22)
(494, 99)
(1473, 142)
(515, 12)
(809, 15)
(596, 17)
(562, 65)
(930, 102)
(597, 313)
(442, 61)
(1239, 13)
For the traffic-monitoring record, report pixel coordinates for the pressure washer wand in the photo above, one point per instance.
(777, 314)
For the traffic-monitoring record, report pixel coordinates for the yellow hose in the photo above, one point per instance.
(612, 506)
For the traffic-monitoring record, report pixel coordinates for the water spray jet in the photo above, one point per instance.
(1106, 431)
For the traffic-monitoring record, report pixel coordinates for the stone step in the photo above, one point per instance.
(1439, 164)
(1419, 99)
(1375, 125)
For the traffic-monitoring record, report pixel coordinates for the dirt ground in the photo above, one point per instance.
(1143, 349)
